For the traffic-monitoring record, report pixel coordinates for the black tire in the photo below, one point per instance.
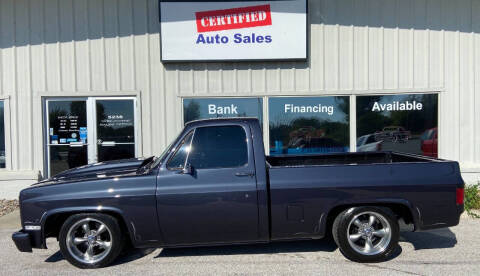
(114, 234)
(383, 247)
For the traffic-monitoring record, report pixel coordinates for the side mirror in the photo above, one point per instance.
(187, 169)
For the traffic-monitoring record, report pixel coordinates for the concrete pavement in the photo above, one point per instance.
(448, 251)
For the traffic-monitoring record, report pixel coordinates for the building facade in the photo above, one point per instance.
(82, 81)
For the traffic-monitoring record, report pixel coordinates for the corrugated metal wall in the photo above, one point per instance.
(356, 46)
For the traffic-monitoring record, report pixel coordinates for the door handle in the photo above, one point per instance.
(108, 144)
(77, 145)
(240, 174)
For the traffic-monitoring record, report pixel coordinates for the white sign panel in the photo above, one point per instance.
(247, 30)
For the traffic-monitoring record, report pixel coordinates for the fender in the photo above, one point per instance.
(414, 211)
(86, 209)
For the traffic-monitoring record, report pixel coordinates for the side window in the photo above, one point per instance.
(371, 139)
(178, 159)
(219, 147)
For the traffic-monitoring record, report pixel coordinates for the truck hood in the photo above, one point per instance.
(98, 170)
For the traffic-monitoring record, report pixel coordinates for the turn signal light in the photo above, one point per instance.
(460, 196)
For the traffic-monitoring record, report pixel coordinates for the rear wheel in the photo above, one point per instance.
(366, 234)
(90, 240)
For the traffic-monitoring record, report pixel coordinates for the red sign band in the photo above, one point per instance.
(236, 18)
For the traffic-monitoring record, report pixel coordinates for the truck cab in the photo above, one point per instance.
(214, 181)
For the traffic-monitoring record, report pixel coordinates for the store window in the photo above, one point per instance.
(73, 140)
(2, 135)
(206, 108)
(309, 125)
(404, 123)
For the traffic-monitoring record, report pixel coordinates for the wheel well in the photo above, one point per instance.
(402, 212)
(54, 223)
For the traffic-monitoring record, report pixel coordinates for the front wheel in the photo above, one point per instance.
(366, 234)
(90, 240)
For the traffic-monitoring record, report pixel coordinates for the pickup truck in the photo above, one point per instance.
(214, 186)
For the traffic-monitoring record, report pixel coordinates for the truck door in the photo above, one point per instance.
(207, 191)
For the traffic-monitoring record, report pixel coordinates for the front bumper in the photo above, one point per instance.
(23, 241)
(26, 240)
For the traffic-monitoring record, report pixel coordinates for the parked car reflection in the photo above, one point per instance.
(429, 142)
(368, 143)
(393, 133)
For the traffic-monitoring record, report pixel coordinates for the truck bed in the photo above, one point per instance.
(305, 188)
(345, 159)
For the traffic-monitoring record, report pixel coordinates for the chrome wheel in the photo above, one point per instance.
(369, 233)
(89, 240)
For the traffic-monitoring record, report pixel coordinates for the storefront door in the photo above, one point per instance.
(80, 131)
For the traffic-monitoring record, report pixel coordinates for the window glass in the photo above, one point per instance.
(219, 147)
(178, 159)
(115, 129)
(67, 121)
(304, 125)
(67, 135)
(195, 109)
(405, 123)
(2, 135)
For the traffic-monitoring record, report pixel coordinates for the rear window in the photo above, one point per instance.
(219, 147)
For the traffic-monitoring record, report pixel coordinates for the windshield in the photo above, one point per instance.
(162, 155)
(159, 158)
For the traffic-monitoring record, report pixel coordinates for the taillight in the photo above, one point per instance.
(460, 196)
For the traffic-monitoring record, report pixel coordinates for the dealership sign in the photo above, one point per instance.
(233, 30)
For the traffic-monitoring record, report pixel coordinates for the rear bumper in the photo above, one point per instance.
(23, 241)
(450, 221)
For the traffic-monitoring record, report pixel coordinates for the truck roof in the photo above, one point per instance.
(226, 119)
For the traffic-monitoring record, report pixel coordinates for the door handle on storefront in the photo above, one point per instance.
(77, 145)
(108, 144)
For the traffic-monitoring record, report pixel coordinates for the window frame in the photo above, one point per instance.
(232, 98)
(7, 131)
(224, 125)
(353, 110)
(350, 121)
(177, 148)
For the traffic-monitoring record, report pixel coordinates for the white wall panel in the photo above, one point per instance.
(420, 44)
(390, 44)
(355, 46)
(96, 43)
(360, 58)
(81, 44)
(476, 71)
(435, 44)
(375, 45)
(405, 42)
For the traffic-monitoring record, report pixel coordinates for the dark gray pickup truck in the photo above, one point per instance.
(215, 186)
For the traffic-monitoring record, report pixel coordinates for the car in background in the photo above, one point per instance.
(429, 142)
(368, 143)
(393, 134)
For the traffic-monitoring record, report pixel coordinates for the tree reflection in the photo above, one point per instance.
(309, 132)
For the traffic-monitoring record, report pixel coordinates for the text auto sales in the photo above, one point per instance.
(237, 38)
(236, 18)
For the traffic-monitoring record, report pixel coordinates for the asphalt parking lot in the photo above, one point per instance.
(453, 251)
